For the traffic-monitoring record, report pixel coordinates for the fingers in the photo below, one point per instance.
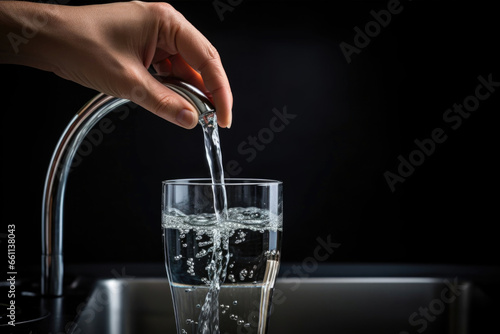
(181, 69)
(177, 67)
(182, 51)
(155, 97)
(198, 53)
(203, 57)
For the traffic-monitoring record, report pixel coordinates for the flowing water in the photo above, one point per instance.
(224, 263)
(217, 268)
(213, 153)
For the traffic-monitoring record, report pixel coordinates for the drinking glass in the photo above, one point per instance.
(222, 261)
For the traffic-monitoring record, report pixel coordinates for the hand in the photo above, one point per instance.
(110, 47)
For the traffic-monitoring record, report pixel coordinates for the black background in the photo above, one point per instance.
(352, 121)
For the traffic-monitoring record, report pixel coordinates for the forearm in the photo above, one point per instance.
(26, 29)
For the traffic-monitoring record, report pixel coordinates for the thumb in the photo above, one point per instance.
(163, 102)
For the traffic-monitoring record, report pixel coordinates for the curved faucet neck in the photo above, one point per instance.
(59, 168)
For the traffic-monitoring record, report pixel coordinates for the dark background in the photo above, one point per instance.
(352, 121)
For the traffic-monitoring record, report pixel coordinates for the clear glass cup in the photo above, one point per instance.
(222, 268)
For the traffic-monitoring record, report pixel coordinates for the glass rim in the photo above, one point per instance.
(227, 182)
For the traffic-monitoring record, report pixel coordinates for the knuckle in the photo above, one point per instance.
(161, 106)
(212, 58)
(212, 52)
(163, 9)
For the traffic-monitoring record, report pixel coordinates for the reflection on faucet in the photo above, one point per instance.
(59, 167)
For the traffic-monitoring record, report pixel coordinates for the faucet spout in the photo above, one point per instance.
(59, 167)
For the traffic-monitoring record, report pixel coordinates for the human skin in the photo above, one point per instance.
(110, 47)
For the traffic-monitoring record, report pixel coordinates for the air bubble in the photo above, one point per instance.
(202, 253)
(205, 243)
(243, 274)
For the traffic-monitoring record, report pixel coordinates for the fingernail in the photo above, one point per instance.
(230, 120)
(186, 118)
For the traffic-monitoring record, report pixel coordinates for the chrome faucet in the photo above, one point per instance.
(59, 167)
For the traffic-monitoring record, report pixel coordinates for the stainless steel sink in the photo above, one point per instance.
(308, 305)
